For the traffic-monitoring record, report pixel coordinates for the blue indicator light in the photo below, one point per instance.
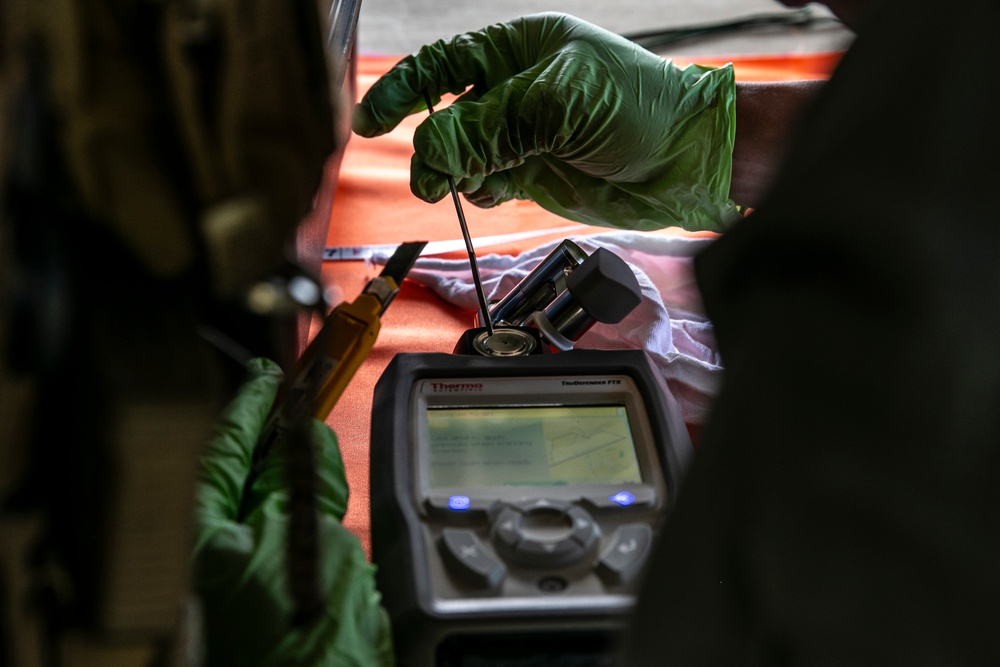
(459, 502)
(623, 498)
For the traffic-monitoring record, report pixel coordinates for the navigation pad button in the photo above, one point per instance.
(550, 553)
(507, 527)
(544, 533)
(584, 530)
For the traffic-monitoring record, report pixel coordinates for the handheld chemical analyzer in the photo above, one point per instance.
(517, 485)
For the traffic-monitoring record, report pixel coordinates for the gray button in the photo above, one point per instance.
(466, 556)
(623, 559)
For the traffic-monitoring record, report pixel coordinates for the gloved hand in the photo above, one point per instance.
(580, 120)
(241, 573)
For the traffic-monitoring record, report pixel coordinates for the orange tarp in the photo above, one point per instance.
(372, 204)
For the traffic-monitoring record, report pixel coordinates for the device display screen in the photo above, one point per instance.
(519, 446)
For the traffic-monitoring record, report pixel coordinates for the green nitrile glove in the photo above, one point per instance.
(580, 120)
(241, 573)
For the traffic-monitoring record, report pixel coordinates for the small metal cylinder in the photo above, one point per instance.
(568, 316)
(539, 287)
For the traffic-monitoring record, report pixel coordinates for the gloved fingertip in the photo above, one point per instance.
(427, 184)
(470, 184)
(427, 192)
(493, 190)
(261, 366)
(332, 490)
(480, 199)
(363, 124)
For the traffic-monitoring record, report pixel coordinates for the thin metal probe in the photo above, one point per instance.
(483, 307)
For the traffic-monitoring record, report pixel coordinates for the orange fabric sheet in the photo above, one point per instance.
(372, 204)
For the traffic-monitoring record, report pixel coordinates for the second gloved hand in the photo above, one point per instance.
(242, 566)
(578, 119)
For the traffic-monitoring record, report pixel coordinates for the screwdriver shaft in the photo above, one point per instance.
(476, 279)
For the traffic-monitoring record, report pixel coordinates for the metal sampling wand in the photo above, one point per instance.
(483, 307)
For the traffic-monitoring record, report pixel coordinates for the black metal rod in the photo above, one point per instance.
(483, 306)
